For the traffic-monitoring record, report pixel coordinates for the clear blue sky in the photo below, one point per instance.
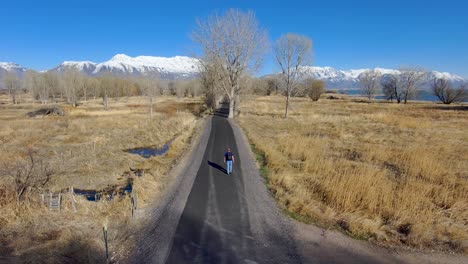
(345, 34)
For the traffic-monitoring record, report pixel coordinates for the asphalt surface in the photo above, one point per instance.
(215, 225)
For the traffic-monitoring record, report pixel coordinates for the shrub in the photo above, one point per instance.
(315, 88)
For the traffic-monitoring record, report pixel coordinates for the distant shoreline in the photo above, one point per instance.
(422, 95)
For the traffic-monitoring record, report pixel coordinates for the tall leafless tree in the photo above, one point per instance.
(234, 42)
(369, 83)
(291, 52)
(150, 89)
(106, 84)
(211, 81)
(403, 85)
(73, 82)
(12, 84)
(390, 88)
(443, 90)
(409, 79)
(42, 88)
(53, 83)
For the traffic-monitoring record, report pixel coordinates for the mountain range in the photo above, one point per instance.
(178, 67)
(6, 67)
(181, 67)
(349, 79)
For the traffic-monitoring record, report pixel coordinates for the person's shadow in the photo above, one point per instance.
(216, 166)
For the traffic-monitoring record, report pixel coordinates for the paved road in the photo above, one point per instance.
(215, 226)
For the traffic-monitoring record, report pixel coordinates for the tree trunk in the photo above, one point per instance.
(151, 107)
(231, 104)
(104, 99)
(231, 108)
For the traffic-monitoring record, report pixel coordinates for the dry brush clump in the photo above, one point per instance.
(85, 149)
(395, 174)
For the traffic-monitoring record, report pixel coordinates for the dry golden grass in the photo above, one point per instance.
(395, 174)
(85, 149)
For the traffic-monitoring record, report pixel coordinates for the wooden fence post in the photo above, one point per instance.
(104, 230)
(134, 203)
(72, 198)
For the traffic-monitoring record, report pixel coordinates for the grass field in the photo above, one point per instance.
(393, 174)
(85, 149)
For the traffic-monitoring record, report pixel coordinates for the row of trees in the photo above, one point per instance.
(233, 46)
(74, 87)
(404, 86)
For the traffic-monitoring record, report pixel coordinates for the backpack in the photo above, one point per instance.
(229, 155)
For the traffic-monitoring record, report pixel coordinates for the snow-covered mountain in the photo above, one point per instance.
(349, 79)
(86, 67)
(178, 67)
(11, 67)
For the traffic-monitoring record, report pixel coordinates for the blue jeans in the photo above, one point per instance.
(229, 166)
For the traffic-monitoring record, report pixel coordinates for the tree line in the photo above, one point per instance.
(405, 85)
(233, 45)
(74, 87)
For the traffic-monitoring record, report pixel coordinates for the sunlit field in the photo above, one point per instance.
(84, 149)
(393, 174)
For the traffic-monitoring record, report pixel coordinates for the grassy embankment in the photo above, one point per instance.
(85, 149)
(394, 174)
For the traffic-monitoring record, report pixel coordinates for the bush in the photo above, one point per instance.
(315, 88)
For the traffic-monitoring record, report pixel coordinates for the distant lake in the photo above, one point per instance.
(423, 95)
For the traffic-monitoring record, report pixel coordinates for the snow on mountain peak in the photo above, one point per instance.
(145, 64)
(78, 63)
(84, 66)
(10, 66)
(349, 79)
(120, 57)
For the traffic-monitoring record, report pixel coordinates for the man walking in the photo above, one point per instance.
(229, 160)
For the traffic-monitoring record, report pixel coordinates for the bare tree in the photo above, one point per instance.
(53, 83)
(210, 81)
(272, 85)
(443, 90)
(150, 89)
(106, 85)
(193, 88)
(73, 82)
(12, 84)
(291, 52)
(409, 79)
(40, 88)
(369, 83)
(390, 88)
(236, 43)
(87, 87)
